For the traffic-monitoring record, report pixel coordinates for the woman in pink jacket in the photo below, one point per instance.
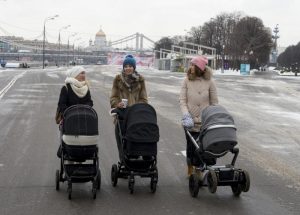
(197, 92)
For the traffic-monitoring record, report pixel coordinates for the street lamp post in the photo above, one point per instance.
(59, 41)
(79, 49)
(79, 38)
(69, 47)
(223, 48)
(44, 36)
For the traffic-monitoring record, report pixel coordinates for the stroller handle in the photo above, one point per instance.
(79, 106)
(192, 139)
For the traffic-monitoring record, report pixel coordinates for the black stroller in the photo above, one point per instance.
(79, 158)
(217, 137)
(137, 134)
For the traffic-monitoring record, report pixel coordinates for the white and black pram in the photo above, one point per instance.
(137, 136)
(217, 137)
(79, 154)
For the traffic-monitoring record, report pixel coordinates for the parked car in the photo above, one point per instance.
(16, 65)
(2, 63)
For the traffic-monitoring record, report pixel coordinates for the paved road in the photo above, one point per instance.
(266, 110)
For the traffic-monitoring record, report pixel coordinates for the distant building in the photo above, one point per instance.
(100, 43)
(275, 53)
(13, 44)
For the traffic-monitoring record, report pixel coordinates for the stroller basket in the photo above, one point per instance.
(140, 148)
(79, 170)
(80, 152)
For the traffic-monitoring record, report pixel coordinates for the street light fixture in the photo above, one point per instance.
(59, 41)
(44, 36)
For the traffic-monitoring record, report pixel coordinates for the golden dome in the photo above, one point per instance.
(100, 33)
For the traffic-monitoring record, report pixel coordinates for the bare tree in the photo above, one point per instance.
(196, 34)
(163, 43)
(235, 36)
(217, 32)
(290, 58)
(253, 41)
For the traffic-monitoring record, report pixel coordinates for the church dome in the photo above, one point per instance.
(100, 33)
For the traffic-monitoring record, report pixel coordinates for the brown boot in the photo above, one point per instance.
(190, 170)
(200, 174)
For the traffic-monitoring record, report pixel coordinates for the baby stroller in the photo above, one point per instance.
(137, 135)
(217, 137)
(79, 156)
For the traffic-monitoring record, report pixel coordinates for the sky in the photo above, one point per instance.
(153, 18)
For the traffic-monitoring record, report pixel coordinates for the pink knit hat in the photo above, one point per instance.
(200, 62)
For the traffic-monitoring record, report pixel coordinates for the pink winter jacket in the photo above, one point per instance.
(196, 94)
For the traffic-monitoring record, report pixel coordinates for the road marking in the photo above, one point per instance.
(271, 146)
(10, 84)
(1, 164)
(183, 153)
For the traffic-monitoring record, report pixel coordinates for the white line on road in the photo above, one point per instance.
(10, 84)
(183, 153)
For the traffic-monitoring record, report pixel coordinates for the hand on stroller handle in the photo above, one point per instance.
(116, 111)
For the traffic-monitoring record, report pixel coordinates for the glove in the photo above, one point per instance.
(187, 121)
(113, 112)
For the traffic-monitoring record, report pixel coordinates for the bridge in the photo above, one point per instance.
(17, 48)
(138, 38)
(140, 43)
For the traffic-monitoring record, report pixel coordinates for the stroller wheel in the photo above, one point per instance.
(212, 181)
(94, 190)
(114, 175)
(153, 184)
(98, 179)
(94, 193)
(236, 189)
(194, 185)
(246, 182)
(69, 190)
(57, 177)
(154, 180)
(131, 184)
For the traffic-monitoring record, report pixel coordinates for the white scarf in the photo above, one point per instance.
(80, 88)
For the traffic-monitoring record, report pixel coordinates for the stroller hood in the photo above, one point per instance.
(80, 120)
(215, 115)
(141, 123)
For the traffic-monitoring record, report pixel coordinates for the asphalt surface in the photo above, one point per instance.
(266, 110)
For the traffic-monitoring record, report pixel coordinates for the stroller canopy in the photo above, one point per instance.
(80, 120)
(141, 123)
(215, 115)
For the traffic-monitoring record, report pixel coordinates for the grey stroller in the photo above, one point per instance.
(217, 137)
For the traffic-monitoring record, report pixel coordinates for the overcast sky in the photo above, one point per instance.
(153, 18)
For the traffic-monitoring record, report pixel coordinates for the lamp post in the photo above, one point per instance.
(80, 47)
(212, 30)
(59, 41)
(79, 38)
(72, 35)
(223, 48)
(44, 36)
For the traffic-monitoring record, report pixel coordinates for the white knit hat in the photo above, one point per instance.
(76, 70)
